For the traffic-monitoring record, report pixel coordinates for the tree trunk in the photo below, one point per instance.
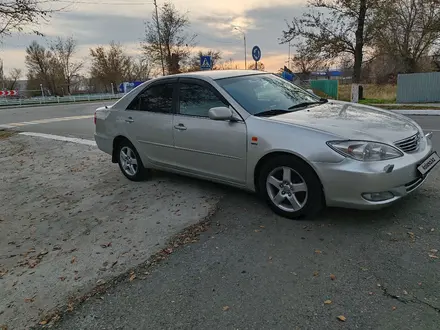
(358, 53)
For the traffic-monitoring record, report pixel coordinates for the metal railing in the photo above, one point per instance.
(9, 101)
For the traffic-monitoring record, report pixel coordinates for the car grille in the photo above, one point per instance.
(410, 186)
(410, 144)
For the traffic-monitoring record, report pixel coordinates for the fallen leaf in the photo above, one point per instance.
(70, 307)
(62, 278)
(73, 260)
(405, 292)
(332, 277)
(257, 230)
(318, 251)
(270, 258)
(432, 230)
(132, 277)
(44, 322)
(378, 285)
(3, 327)
(394, 308)
(100, 282)
(433, 256)
(342, 318)
(420, 283)
(168, 251)
(434, 250)
(29, 300)
(315, 274)
(327, 302)
(262, 227)
(370, 293)
(225, 308)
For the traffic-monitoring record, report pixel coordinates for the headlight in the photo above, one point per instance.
(366, 151)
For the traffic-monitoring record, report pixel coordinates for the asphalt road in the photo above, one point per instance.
(254, 270)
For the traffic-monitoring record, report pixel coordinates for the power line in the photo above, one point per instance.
(106, 3)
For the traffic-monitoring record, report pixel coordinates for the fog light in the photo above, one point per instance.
(378, 196)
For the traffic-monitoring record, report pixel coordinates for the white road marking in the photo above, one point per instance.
(61, 138)
(44, 121)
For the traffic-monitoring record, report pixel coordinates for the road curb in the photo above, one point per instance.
(418, 112)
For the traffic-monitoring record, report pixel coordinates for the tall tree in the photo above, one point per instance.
(63, 51)
(307, 60)
(43, 68)
(110, 66)
(140, 69)
(335, 27)
(16, 14)
(172, 36)
(14, 75)
(409, 30)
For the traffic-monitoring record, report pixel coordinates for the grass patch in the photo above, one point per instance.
(373, 94)
(6, 134)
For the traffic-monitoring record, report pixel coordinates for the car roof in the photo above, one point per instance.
(215, 74)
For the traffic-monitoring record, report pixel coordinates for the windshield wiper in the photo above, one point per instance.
(305, 104)
(271, 112)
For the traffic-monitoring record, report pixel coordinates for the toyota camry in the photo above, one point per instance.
(259, 132)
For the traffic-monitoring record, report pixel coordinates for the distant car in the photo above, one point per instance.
(256, 131)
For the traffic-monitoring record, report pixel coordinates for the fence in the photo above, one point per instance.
(14, 101)
(418, 87)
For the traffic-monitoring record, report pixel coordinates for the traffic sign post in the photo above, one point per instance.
(256, 55)
(205, 63)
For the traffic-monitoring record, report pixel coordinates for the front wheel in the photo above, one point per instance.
(291, 188)
(130, 163)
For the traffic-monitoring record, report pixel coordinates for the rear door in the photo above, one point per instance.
(149, 122)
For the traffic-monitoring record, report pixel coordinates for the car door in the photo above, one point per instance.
(149, 123)
(215, 149)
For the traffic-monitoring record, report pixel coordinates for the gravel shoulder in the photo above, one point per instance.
(69, 221)
(254, 270)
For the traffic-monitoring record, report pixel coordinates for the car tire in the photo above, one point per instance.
(130, 162)
(291, 187)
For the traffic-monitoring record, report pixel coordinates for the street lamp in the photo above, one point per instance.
(244, 39)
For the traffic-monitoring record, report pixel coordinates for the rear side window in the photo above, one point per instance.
(157, 98)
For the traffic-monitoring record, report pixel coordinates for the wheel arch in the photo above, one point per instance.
(116, 141)
(278, 153)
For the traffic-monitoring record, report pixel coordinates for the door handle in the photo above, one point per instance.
(180, 127)
(129, 120)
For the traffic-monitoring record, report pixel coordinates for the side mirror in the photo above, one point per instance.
(220, 113)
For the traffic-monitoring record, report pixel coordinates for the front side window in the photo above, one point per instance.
(157, 98)
(196, 100)
(264, 92)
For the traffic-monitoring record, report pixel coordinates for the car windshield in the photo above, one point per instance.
(265, 92)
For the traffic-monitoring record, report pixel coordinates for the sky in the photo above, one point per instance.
(98, 22)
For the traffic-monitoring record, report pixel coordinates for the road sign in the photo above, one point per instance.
(8, 93)
(256, 53)
(205, 62)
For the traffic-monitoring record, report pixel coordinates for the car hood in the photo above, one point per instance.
(352, 122)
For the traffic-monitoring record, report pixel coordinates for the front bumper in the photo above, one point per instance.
(345, 183)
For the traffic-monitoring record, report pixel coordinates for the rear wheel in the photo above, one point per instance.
(130, 163)
(291, 188)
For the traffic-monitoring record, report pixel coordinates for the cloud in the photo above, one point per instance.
(212, 21)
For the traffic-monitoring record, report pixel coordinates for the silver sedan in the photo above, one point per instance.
(258, 132)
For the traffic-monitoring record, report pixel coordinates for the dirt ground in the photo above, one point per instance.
(69, 220)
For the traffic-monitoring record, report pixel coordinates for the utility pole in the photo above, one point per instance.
(244, 39)
(159, 38)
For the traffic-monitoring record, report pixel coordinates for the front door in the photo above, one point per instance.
(215, 149)
(149, 123)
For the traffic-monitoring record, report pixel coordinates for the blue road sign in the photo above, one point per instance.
(256, 53)
(205, 62)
